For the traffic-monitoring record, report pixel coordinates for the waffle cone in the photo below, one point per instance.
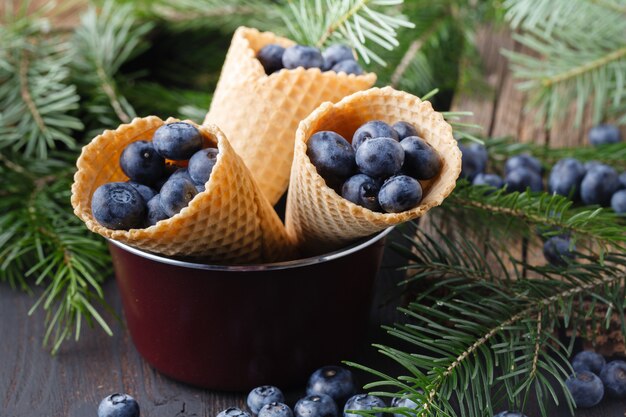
(317, 217)
(260, 113)
(229, 223)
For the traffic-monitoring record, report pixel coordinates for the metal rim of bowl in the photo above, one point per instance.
(297, 263)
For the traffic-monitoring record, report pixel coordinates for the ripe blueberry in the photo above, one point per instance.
(523, 161)
(318, 405)
(348, 66)
(474, 160)
(522, 178)
(400, 193)
(363, 191)
(588, 360)
(331, 154)
(141, 162)
(599, 185)
(155, 211)
(618, 202)
(176, 194)
(604, 134)
(613, 376)
(557, 251)
(275, 409)
(491, 180)
(302, 56)
(177, 141)
(565, 178)
(118, 405)
(146, 192)
(271, 57)
(404, 130)
(380, 157)
(118, 206)
(263, 395)
(362, 402)
(335, 54)
(586, 389)
(421, 161)
(201, 165)
(334, 381)
(373, 129)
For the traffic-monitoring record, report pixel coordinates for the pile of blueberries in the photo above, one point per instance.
(338, 58)
(329, 388)
(157, 189)
(380, 169)
(594, 377)
(590, 183)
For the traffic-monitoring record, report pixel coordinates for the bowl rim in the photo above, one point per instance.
(274, 266)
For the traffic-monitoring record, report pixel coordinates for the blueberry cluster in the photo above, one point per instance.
(382, 167)
(157, 188)
(338, 58)
(593, 377)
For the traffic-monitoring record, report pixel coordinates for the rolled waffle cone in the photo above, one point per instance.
(317, 217)
(229, 223)
(260, 113)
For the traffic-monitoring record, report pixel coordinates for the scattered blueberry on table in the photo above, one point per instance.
(588, 360)
(362, 402)
(118, 405)
(604, 134)
(586, 388)
(565, 178)
(522, 178)
(317, 405)
(264, 395)
(275, 409)
(337, 58)
(474, 160)
(334, 381)
(599, 185)
(613, 376)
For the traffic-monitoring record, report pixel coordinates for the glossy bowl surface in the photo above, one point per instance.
(236, 327)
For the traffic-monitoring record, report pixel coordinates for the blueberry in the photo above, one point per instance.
(622, 180)
(334, 381)
(373, 129)
(421, 161)
(201, 165)
(363, 191)
(302, 56)
(155, 211)
(613, 375)
(275, 409)
(118, 405)
(118, 206)
(598, 185)
(262, 395)
(349, 67)
(335, 54)
(474, 160)
(380, 157)
(318, 405)
(510, 414)
(523, 161)
(233, 412)
(176, 194)
(522, 178)
(200, 188)
(618, 202)
(404, 402)
(271, 57)
(491, 180)
(141, 162)
(404, 130)
(177, 141)
(557, 251)
(146, 192)
(400, 193)
(565, 178)
(588, 360)
(331, 154)
(589, 165)
(604, 134)
(586, 389)
(182, 173)
(362, 402)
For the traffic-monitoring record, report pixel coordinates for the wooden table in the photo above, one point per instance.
(33, 384)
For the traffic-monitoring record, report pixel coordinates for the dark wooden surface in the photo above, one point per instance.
(33, 384)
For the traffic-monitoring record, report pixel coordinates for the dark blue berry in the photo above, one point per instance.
(622, 180)
(141, 162)
(523, 161)
(155, 211)
(604, 134)
(491, 180)
(275, 409)
(589, 165)
(557, 251)
(271, 57)
(522, 178)
(599, 185)
(509, 414)
(588, 360)
(118, 405)
(118, 206)
(380, 157)
(334, 381)
(349, 67)
(263, 395)
(363, 191)
(331, 154)
(565, 178)
(618, 202)
(177, 141)
(400, 193)
(200, 188)
(302, 56)
(335, 54)
(318, 405)
(234, 412)
(586, 389)
(182, 173)
(176, 194)
(474, 160)
(362, 402)
(146, 192)
(613, 375)
(201, 165)
(421, 161)
(404, 402)
(404, 130)
(373, 129)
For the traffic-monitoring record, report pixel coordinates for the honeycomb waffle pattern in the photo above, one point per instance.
(228, 223)
(320, 219)
(260, 113)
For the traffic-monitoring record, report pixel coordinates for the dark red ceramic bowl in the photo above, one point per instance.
(236, 327)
